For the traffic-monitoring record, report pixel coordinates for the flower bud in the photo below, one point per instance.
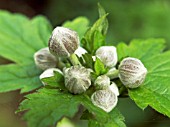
(94, 58)
(102, 82)
(132, 72)
(49, 73)
(80, 51)
(113, 87)
(108, 55)
(104, 99)
(44, 59)
(77, 79)
(63, 42)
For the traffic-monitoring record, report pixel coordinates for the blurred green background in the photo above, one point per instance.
(128, 19)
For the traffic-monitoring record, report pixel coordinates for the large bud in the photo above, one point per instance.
(102, 82)
(44, 59)
(77, 79)
(104, 99)
(132, 72)
(108, 55)
(63, 42)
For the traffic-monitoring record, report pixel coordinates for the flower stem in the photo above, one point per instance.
(113, 74)
(60, 65)
(74, 60)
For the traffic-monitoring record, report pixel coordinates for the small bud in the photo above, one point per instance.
(94, 58)
(104, 99)
(113, 87)
(102, 82)
(108, 55)
(80, 51)
(49, 73)
(63, 42)
(77, 79)
(44, 59)
(132, 72)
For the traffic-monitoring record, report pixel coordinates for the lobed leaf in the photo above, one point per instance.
(20, 38)
(24, 77)
(48, 106)
(116, 120)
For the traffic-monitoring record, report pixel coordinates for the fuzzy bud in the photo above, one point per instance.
(102, 82)
(49, 73)
(113, 87)
(63, 42)
(77, 79)
(104, 99)
(108, 55)
(80, 51)
(44, 59)
(132, 72)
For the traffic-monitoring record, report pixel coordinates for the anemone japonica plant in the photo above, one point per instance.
(72, 69)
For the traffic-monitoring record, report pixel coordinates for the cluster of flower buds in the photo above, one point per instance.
(63, 44)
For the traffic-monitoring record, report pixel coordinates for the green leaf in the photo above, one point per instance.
(24, 77)
(99, 40)
(155, 91)
(80, 25)
(142, 49)
(55, 81)
(89, 63)
(99, 67)
(20, 38)
(116, 120)
(105, 25)
(48, 106)
(89, 37)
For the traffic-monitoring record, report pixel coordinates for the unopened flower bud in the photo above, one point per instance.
(77, 79)
(108, 55)
(113, 87)
(80, 51)
(94, 58)
(102, 82)
(132, 72)
(104, 99)
(63, 42)
(44, 59)
(49, 73)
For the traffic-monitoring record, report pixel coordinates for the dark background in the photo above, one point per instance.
(128, 19)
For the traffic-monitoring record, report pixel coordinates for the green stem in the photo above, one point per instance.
(74, 60)
(113, 74)
(60, 65)
(122, 90)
